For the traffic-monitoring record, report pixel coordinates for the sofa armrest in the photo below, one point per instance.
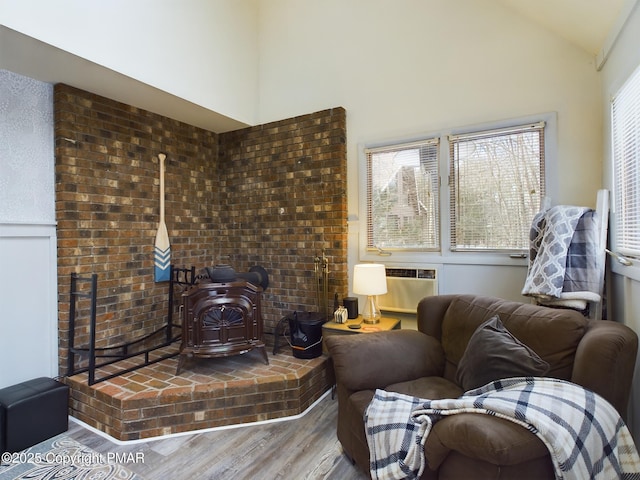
(605, 361)
(375, 360)
(484, 438)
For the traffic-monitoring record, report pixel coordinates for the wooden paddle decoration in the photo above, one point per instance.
(162, 255)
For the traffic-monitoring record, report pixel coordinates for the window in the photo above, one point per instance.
(494, 178)
(402, 196)
(496, 187)
(625, 131)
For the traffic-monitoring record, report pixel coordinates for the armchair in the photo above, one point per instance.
(599, 355)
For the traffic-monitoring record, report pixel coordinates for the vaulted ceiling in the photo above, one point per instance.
(585, 23)
(588, 24)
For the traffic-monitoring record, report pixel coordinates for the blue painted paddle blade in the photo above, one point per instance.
(162, 264)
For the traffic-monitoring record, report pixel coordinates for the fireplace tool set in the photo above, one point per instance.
(321, 270)
(305, 328)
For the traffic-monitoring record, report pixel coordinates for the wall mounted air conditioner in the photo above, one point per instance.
(406, 287)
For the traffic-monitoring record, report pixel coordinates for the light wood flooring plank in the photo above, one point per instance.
(305, 448)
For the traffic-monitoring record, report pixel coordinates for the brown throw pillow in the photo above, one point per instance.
(493, 353)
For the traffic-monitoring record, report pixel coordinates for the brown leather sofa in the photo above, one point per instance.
(599, 355)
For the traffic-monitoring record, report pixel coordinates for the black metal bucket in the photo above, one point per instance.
(305, 334)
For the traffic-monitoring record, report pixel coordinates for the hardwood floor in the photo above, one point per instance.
(302, 448)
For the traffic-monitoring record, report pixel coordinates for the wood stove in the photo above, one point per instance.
(221, 319)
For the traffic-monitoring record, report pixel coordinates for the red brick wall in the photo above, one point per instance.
(224, 194)
(107, 207)
(285, 201)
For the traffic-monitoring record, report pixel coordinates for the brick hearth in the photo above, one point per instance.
(152, 401)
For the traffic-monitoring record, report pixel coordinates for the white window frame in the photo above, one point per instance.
(445, 255)
(625, 155)
(631, 268)
(427, 142)
(460, 140)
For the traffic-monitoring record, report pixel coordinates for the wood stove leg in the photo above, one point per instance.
(263, 350)
(181, 360)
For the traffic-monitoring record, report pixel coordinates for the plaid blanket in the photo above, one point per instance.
(564, 265)
(585, 435)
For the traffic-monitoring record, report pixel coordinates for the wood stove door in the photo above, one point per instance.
(224, 321)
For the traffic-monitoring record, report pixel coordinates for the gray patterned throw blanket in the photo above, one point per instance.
(585, 435)
(564, 262)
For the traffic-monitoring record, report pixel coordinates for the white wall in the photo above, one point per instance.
(624, 286)
(204, 51)
(28, 292)
(408, 68)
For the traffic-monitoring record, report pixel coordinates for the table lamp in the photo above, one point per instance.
(370, 279)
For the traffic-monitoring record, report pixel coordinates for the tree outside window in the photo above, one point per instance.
(497, 187)
(402, 193)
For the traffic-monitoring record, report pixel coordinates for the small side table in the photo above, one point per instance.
(332, 328)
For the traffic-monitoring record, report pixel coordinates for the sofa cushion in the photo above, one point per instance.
(554, 334)
(431, 388)
(493, 353)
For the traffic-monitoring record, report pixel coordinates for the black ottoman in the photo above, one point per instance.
(31, 412)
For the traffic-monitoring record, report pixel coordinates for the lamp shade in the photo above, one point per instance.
(369, 279)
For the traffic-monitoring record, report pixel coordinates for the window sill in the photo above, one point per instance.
(452, 258)
(632, 271)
